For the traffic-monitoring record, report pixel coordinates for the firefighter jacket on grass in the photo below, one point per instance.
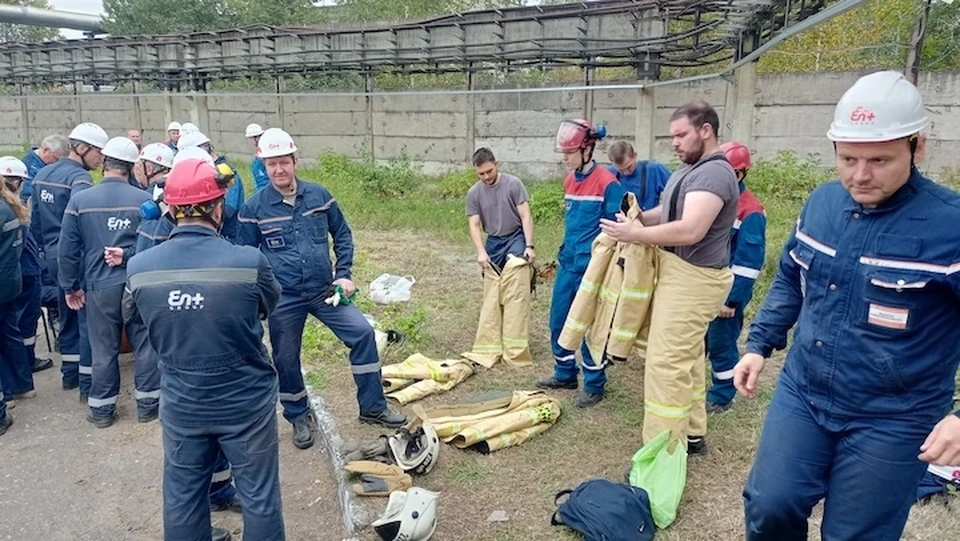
(612, 306)
(419, 377)
(492, 421)
(504, 328)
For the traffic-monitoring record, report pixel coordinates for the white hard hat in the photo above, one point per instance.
(89, 133)
(275, 142)
(882, 106)
(410, 516)
(192, 139)
(157, 153)
(12, 167)
(192, 153)
(121, 148)
(253, 130)
(188, 127)
(173, 126)
(416, 452)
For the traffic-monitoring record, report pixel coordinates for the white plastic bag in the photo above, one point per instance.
(389, 288)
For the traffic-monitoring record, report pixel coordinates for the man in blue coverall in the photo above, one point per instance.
(54, 185)
(747, 250)
(98, 237)
(202, 300)
(871, 279)
(234, 199)
(52, 148)
(292, 222)
(591, 193)
(646, 179)
(260, 177)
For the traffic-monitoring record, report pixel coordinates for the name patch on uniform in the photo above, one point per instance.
(889, 317)
(275, 242)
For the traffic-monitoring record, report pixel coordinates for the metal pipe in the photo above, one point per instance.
(50, 18)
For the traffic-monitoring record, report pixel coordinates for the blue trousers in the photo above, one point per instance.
(222, 490)
(349, 325)
(498, 248)
(866, 468)
(105, 323)
(28, 314)
(15, 369)
(189, 460)
(722, 336)
(3, 403)
(75, 353)
(565, 367)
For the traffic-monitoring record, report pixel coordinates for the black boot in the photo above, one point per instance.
(219, 534)
(303, 432)
(553, 383)
(385, 417)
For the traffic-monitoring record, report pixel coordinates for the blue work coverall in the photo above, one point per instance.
(232, 202)
(29, 301)
(874, 295)
(54, 185)
(646, 182)
(107, 215)
(14, 369)
(296, 240)
(219, 389)
(748, 249)
(589, 196)
(34, 164)
(260, 177)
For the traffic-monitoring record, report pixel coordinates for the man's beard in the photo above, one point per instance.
(694, 155)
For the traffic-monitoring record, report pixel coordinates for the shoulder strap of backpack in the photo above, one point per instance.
(643, 181)
(676, 192)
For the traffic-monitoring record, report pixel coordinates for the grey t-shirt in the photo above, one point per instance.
(718, 178)
(497, 205)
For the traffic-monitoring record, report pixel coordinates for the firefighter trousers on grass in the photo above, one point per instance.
(105, 323)
(724, 353)
(189, 459)
(504, 327)
(686, 300)
(349, 326)
(866, 468)
(565, 367)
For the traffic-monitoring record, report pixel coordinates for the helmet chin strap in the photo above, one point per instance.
(585, 158)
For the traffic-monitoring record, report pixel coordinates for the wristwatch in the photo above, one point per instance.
(530, 246)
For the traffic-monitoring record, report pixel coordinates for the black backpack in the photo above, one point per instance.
(602, 510)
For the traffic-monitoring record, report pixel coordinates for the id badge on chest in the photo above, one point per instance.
(275, 242)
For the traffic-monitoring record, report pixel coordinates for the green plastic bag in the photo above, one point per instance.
(663, 475)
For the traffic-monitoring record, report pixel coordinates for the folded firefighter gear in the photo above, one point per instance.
(504, 328)
(418, 377)
(492, 421)
(611, 310)
(377, 450)
(377, 479)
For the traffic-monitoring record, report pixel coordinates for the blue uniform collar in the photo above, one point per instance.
(580, 176)
(895, 201)
(274, 197)
(68, 161)
(192, 229)
(107, 180)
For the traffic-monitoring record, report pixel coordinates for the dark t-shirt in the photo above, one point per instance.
(718, 178)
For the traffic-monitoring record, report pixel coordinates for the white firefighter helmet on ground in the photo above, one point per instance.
(410, 516)
(416, 452)
(879, 107)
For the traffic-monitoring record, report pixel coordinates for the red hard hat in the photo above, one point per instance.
(738, 155)
(574, 134)
(191, 182)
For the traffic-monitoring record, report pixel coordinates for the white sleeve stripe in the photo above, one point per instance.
(745, 272)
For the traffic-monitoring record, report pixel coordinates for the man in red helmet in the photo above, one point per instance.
(591, 193)
(219, 387)
(747, 251)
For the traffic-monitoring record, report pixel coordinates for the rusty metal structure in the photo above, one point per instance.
(646, 35)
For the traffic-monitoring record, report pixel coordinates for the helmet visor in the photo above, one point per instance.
(571, 136)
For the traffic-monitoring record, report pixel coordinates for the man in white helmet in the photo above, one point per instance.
(99, 235)
(235, 195)
(293, 222)
(870, 277)
(188, 127)
(260, 177)
(154, 163)
(54, 185)
(173, 134)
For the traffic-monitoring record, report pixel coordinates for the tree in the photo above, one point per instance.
(128, 17)
(21, 33)
(382, 10)
(276, 12)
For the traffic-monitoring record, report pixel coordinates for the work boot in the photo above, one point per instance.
(303, 432)
(585, 399)
(147, 417)
(70, 385)
(553, 383)
(5, 423)
(219, 534)
(84, 398)
(100, 422)
(39, 365)
(385, 417)
(713, 407)
(232, 505)
(32, 393)
(696, 445)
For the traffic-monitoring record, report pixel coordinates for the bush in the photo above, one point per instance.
(547, 203)
(456, 185)
(396, 178)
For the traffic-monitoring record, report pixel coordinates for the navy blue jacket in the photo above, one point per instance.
(11, 244)
(34, 164)
(233, 201)
(296, 239)
(646, 182)
(203, 319)
(260, 177)
(153, 232)
(875, 296)
(53, 187)
(748, 248)
(106, 215)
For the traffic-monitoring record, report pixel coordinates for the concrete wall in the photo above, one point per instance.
(442, 130)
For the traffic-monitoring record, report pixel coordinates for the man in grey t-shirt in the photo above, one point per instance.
(498, 205)
(692, 224)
